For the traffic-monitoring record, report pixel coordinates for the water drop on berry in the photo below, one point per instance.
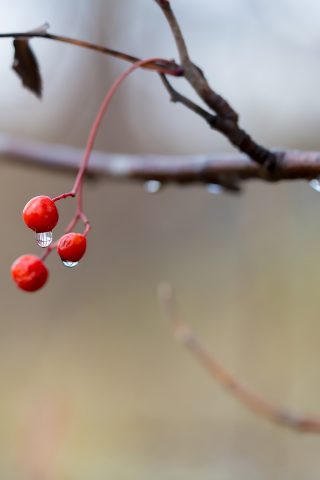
(152, 186)
(214, 188)
(315, 184)
(44, 239)
(69, 264)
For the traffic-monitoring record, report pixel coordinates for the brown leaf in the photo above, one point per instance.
(26, 66)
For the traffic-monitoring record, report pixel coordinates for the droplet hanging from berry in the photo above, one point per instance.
(44, 239)
(69, 264)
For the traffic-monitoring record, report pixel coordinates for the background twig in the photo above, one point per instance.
(241, 392)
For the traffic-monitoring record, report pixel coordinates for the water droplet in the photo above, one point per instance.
(44, 239)
(152, 186)
(214, 188)
(315, 184)
(69, 264)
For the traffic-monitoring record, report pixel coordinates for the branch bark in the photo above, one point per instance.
(240, 391)
(226, 169)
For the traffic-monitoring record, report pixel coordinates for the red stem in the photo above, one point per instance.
(77, 188)
(64, 195)
(99, 117)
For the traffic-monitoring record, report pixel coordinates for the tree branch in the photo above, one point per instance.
(227, 119)
(226, 169)
(241, 392)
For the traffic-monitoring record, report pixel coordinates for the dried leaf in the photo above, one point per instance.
(26, 66)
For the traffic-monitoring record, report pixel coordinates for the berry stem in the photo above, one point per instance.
(64, 195)
(86, 222)
(67, 230)
(99, 117)
(77, 188)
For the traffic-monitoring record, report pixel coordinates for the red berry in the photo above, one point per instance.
(41, 214)
(29, 273)
(72, 247)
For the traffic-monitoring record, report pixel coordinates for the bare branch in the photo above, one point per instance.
(227, 119)
(241, 392)
(191, 72)
(226, 169)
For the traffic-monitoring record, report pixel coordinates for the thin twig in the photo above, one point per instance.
(241, 392)
(177, 97)
(170, 67)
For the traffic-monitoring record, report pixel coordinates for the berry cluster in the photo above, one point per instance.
(41, 215)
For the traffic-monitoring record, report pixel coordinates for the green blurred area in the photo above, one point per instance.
(93, 384)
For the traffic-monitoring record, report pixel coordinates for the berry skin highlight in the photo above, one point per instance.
(29, 273)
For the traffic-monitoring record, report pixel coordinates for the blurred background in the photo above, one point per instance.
(93, 385)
